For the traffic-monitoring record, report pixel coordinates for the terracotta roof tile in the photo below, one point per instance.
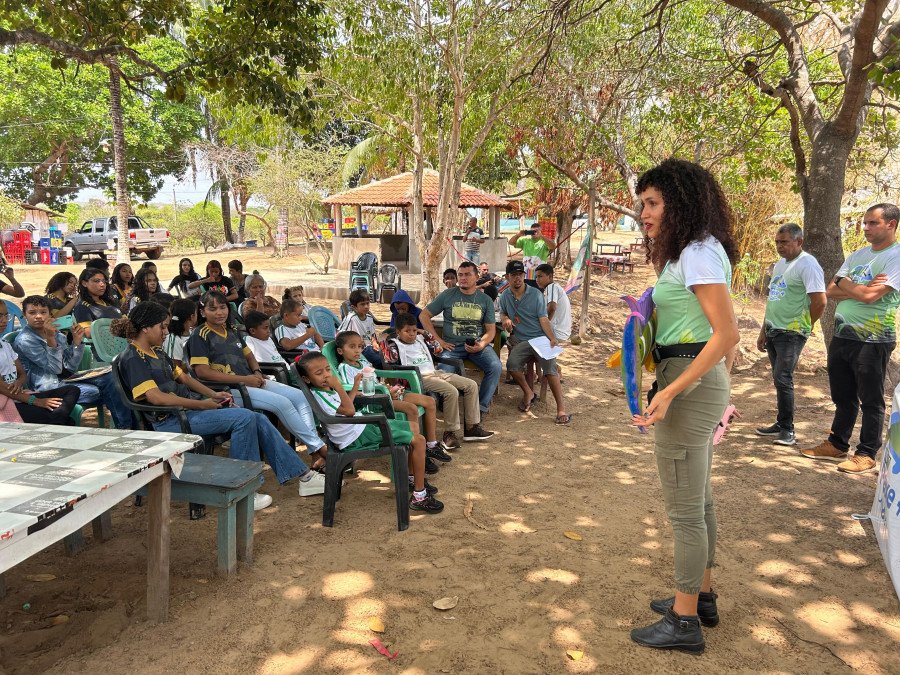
(397, 191)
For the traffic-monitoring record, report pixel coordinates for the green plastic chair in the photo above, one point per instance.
(105, 344)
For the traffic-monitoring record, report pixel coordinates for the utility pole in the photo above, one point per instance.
(174, 213)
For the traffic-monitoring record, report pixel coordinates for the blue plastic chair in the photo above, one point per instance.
(325, 321)
(16, 318)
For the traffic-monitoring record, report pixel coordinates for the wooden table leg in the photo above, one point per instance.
(102, 526)
(159, 494)
(245, 529)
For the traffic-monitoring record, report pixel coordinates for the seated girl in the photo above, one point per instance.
(121, 285)
(183, 313)
(95, 301)
(349, 346)
(218, 354)
(146, 286)
(62, 293)
(293, 334)
(403, 304)
(152, 377)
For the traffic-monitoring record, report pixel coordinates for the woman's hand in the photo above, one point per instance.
(48, 403)
(222, 398)
(654, 412)
(208, 404)
(255, 380)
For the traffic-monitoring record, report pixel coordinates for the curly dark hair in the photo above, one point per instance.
(58, 282)
(141, 291)
(695, 208)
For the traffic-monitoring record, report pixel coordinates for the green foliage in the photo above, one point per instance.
(10, 211)
(200, 225)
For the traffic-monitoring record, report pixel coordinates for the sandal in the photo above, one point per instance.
(563, 419)
(525, 407)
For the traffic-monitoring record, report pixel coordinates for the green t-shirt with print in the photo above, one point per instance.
(531, 246)
(870, 322)
(787, 307)
(680, 318)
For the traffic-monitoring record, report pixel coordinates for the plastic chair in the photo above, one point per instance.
(105, 344)
(388, 280)
(16, 318)
(363, 272)
(337, 460)
(325, 321)
(413, 384)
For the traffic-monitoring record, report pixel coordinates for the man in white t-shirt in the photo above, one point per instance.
(796, 301)
(559, 310)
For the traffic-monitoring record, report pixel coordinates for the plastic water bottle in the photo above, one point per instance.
(368, 381)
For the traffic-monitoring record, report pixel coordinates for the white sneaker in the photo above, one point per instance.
(261, 501)
(313, 486)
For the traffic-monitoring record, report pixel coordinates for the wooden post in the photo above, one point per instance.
(359, 230)
(338, 220)
(159, 494)
(102, 526)
(586, 283)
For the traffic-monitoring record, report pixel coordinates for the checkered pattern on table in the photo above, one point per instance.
(46, 470)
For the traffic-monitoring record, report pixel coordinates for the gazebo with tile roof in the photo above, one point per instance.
(400, 249)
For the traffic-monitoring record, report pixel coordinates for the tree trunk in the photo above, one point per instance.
(586, 282)
(225, 201)
(282, 223)
(564, 234)
(822, 208)
(123, 208)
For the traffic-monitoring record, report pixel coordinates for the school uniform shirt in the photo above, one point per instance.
(85, 312)
(265, 351)
(365, 327)
(292, 333)
(55, 304)
(223, 352)
(144, 371)
(224, 285)
(787, 308)
(562, 317)
(347, 372)
(415, 354)
(8, 358)
(173, 346)
(341, 435)
(679, 316)
(870, 322)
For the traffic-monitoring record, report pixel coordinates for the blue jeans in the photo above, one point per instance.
(289, 405)
(784, 347)
(103, 390)
(474, 256)
(374, 357)
(249, 431)
(489, 363)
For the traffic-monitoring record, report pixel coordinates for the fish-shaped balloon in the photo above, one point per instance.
(638, 339)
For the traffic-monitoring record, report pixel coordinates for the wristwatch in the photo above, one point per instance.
(837, 280)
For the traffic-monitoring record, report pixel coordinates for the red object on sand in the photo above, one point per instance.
(383, 650)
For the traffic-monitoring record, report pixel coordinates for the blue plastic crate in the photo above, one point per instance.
(44, 242)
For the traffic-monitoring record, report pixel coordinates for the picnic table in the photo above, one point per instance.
(54, 480)
(611, 257)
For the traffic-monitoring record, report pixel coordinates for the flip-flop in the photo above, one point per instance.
(525, 407)
(563, 419)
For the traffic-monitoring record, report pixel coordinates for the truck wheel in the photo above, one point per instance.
(154, 253)
(76, 254)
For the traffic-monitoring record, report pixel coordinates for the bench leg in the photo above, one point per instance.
(227, 540)
(102, 526)
(245, 529)
(74, 543)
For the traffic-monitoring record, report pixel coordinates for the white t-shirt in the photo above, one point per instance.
(292, 333)
(341, 434)
(173, 346)
(264, 351)
(8, 358)
(416, 354)
(562, 317)
(365, 327)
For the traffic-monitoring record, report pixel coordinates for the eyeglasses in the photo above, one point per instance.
(97, 281)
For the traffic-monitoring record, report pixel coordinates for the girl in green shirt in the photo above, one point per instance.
(688, 228)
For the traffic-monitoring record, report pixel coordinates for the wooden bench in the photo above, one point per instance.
(228, 485)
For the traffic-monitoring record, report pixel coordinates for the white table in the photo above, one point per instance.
(54, 480)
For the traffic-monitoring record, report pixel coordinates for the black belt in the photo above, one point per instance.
(688, 350)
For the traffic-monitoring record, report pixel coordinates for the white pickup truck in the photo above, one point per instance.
(94, 237)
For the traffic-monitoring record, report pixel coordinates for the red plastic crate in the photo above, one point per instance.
(23, 237)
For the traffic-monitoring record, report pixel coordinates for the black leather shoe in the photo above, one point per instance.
(706, 608)
(672, 632)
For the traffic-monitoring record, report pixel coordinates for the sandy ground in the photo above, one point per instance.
(802, 587)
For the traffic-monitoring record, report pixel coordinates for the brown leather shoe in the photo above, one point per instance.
(824, 450)
(857, 464)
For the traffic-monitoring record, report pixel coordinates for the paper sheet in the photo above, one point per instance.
(542, 346)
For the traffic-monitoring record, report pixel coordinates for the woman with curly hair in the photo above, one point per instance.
(146, 285)
(61, 293)
(121, 284)
(688, 223)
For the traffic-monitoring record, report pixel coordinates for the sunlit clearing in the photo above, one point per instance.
(512, 527)
(831, 620)
(349, 660)
(567, 636)
(295, 594)
(346, 585)
(369, 475)
(307, 658)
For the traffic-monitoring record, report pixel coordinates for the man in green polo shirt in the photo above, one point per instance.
(866, 288)
(533, 243)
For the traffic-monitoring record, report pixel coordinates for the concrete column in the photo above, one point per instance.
(338, 220)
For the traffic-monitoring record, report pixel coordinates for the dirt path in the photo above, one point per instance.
(802, 586)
